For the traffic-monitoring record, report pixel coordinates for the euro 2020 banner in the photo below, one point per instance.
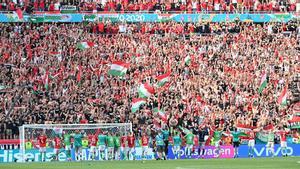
(210, 152)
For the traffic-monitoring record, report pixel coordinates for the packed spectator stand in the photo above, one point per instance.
(163, 6)
(218, 87)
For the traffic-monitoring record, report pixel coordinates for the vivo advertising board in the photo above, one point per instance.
(210, 152)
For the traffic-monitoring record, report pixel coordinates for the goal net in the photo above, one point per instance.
(59, 140)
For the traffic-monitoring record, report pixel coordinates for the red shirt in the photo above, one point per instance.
(57, 143)
(123, 141)
(282, 135)
(42, 140)
(130, 140)
(251, 135)
(94, 140)
(145, 141)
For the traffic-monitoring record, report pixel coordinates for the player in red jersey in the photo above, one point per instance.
(283, 144)
(57, 146)
(251, 143)
(145, 144)
(93, 146)
(42, 142)
(130, 141)
(123, 147)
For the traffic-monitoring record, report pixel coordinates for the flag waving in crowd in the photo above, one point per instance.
(118, 68)
(145, 90)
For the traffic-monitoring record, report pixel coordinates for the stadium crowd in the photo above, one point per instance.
(46, 79)
(152, 6)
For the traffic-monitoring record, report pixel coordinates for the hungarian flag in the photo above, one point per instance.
(244, 128)
(85, 45)
(19, 13)
(118, 68)
(283, 96)
(187, 60)
(163, 79)
(136, 104)
(157, 124)
(263, 83)
(46, 80)
(145, 90)
(295, 122)
(160, 113)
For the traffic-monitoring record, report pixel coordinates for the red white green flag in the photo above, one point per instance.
(145, 90)
(136, 104)
(283, 97)
(46, 80)
(79, 73)
(163, 79)
(161, 114)
(118, 68)
(263, 83)
(85, 45)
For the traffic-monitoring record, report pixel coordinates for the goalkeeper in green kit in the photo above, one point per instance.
(67, 144)
(78, 145)
(110, 146)
(102, 146)
(117, 143)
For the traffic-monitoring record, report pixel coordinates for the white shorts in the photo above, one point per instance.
(283, 144)
(110, 149)
(131, 150)
(68, 147)
(176, 148)
(189, 146)
(123, 149)
(42, 149)
(145, 148)
(92, 149)
(56, 151)
(217, 143)
(251, 143)
(102, 147)
(270, 145)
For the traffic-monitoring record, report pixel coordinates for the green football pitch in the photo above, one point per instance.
(256, 163)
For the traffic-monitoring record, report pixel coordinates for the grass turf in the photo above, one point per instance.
(245, 163)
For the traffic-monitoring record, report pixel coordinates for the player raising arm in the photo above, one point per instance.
(283, 144)
(177, 144)
(42, 141)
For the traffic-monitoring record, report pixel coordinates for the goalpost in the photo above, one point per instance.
(30, 133)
